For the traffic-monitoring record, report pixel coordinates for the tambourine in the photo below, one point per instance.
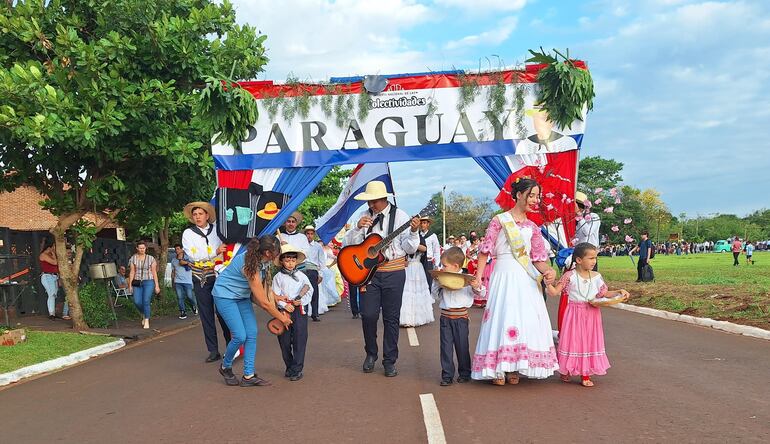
(605, 302)
(276, 327)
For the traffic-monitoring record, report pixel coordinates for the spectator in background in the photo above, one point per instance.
(120, 280)
(143, 276)
(49, 278)
(749, 253)
(645, 251)
(736, 249)
(181, 277)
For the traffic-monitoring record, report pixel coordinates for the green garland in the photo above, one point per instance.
(564, 88)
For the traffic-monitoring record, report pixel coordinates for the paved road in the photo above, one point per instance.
(670, 382)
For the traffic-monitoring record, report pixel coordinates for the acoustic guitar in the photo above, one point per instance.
(358, 263)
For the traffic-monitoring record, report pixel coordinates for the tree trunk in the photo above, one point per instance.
(163, 255)
(68, 273)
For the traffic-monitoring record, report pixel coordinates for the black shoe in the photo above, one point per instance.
(446, 382)
(463, 379)
(287, 373)
(182, 315)
(52, 317)
(369, 364)
(214, 356)
(254, 381)
(296, 377)
(227, 373)
(390, 370)
(316, 319)
(355, 316)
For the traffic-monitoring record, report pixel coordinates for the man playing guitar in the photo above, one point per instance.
(386, 287)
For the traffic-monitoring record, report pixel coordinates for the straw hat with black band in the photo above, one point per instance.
(205, 206)
(374, 190)
(288, 248)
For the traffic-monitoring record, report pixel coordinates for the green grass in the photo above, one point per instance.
(706, 285)
(42, 346)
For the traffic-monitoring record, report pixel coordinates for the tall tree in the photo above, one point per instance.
(597, 172)
(324, 195)
(97, 98)
(467, 213)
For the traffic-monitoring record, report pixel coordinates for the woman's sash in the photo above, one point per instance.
(516, 243)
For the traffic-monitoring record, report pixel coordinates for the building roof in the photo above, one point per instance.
(20, 210)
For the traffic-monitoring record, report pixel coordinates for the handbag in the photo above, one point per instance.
(136, 283)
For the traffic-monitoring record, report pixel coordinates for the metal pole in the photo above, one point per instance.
(443, 213)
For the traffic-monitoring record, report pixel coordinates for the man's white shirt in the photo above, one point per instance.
(406, 242)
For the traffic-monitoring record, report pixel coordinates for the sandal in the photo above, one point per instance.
(498, 381)
(512, 378)
(565, 378)
(587, 383)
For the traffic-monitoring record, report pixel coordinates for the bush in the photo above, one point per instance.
(95, 305)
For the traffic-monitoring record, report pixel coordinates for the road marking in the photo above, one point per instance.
(412, 337)
(432, 419)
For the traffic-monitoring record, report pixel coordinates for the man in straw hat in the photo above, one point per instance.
(202, 245)
(430, 248)
(386, 288)
(588, 222)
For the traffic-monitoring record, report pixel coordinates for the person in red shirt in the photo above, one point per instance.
(49, 278)
(737, 247)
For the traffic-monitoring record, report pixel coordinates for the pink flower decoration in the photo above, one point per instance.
(615, 228)
(573, 241)
(485, 316)
(609, 209)
(549, 207)
(587, 203)
(513, 333)
(563, 197)
(629, 238)
(598, 201)
(568, 200)
(598, 190)
(587, 218)
(613, 192)
(617, 201)
(549, 195)
(627, 221)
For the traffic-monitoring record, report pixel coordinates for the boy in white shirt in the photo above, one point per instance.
(293, 292)
(453, 326)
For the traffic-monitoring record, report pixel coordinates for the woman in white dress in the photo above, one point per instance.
(416, 302)
(328, 286)
(515, 337)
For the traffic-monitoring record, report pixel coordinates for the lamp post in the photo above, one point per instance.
(443, 213)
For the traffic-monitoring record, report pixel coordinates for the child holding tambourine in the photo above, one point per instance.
(581, 340)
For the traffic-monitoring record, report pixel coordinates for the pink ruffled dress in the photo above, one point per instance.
(515, 334)
(581, 339)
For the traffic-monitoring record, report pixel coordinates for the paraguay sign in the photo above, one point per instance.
(416, 117)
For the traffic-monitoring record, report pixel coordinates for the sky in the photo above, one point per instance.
(681, 86)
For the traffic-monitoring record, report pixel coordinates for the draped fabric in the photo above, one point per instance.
(297, 183)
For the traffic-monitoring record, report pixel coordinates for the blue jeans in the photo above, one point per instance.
(143, 297)
(183, 290)
(51, 285)
(239, 316)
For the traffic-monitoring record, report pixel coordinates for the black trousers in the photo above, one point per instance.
(639, 267)
(735, 257)
(353, 297)
(428, 266)
(206, 312)
(312, 276)
(293, 342)
(454, 337)
(384, 293)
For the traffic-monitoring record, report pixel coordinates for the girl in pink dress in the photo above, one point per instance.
(581, 338)
(515, 337)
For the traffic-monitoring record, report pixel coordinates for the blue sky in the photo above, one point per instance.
(682, 86)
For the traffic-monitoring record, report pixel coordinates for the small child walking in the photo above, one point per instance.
(453, 325)
(581, 340)
(293, 293)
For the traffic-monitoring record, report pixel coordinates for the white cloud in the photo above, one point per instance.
(494, 36)
(484, 6)
(321, 38)
(681, 95)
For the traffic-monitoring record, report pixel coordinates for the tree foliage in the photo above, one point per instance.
(324, 195)
(97, 104)
(597, 172)
(467, 213)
